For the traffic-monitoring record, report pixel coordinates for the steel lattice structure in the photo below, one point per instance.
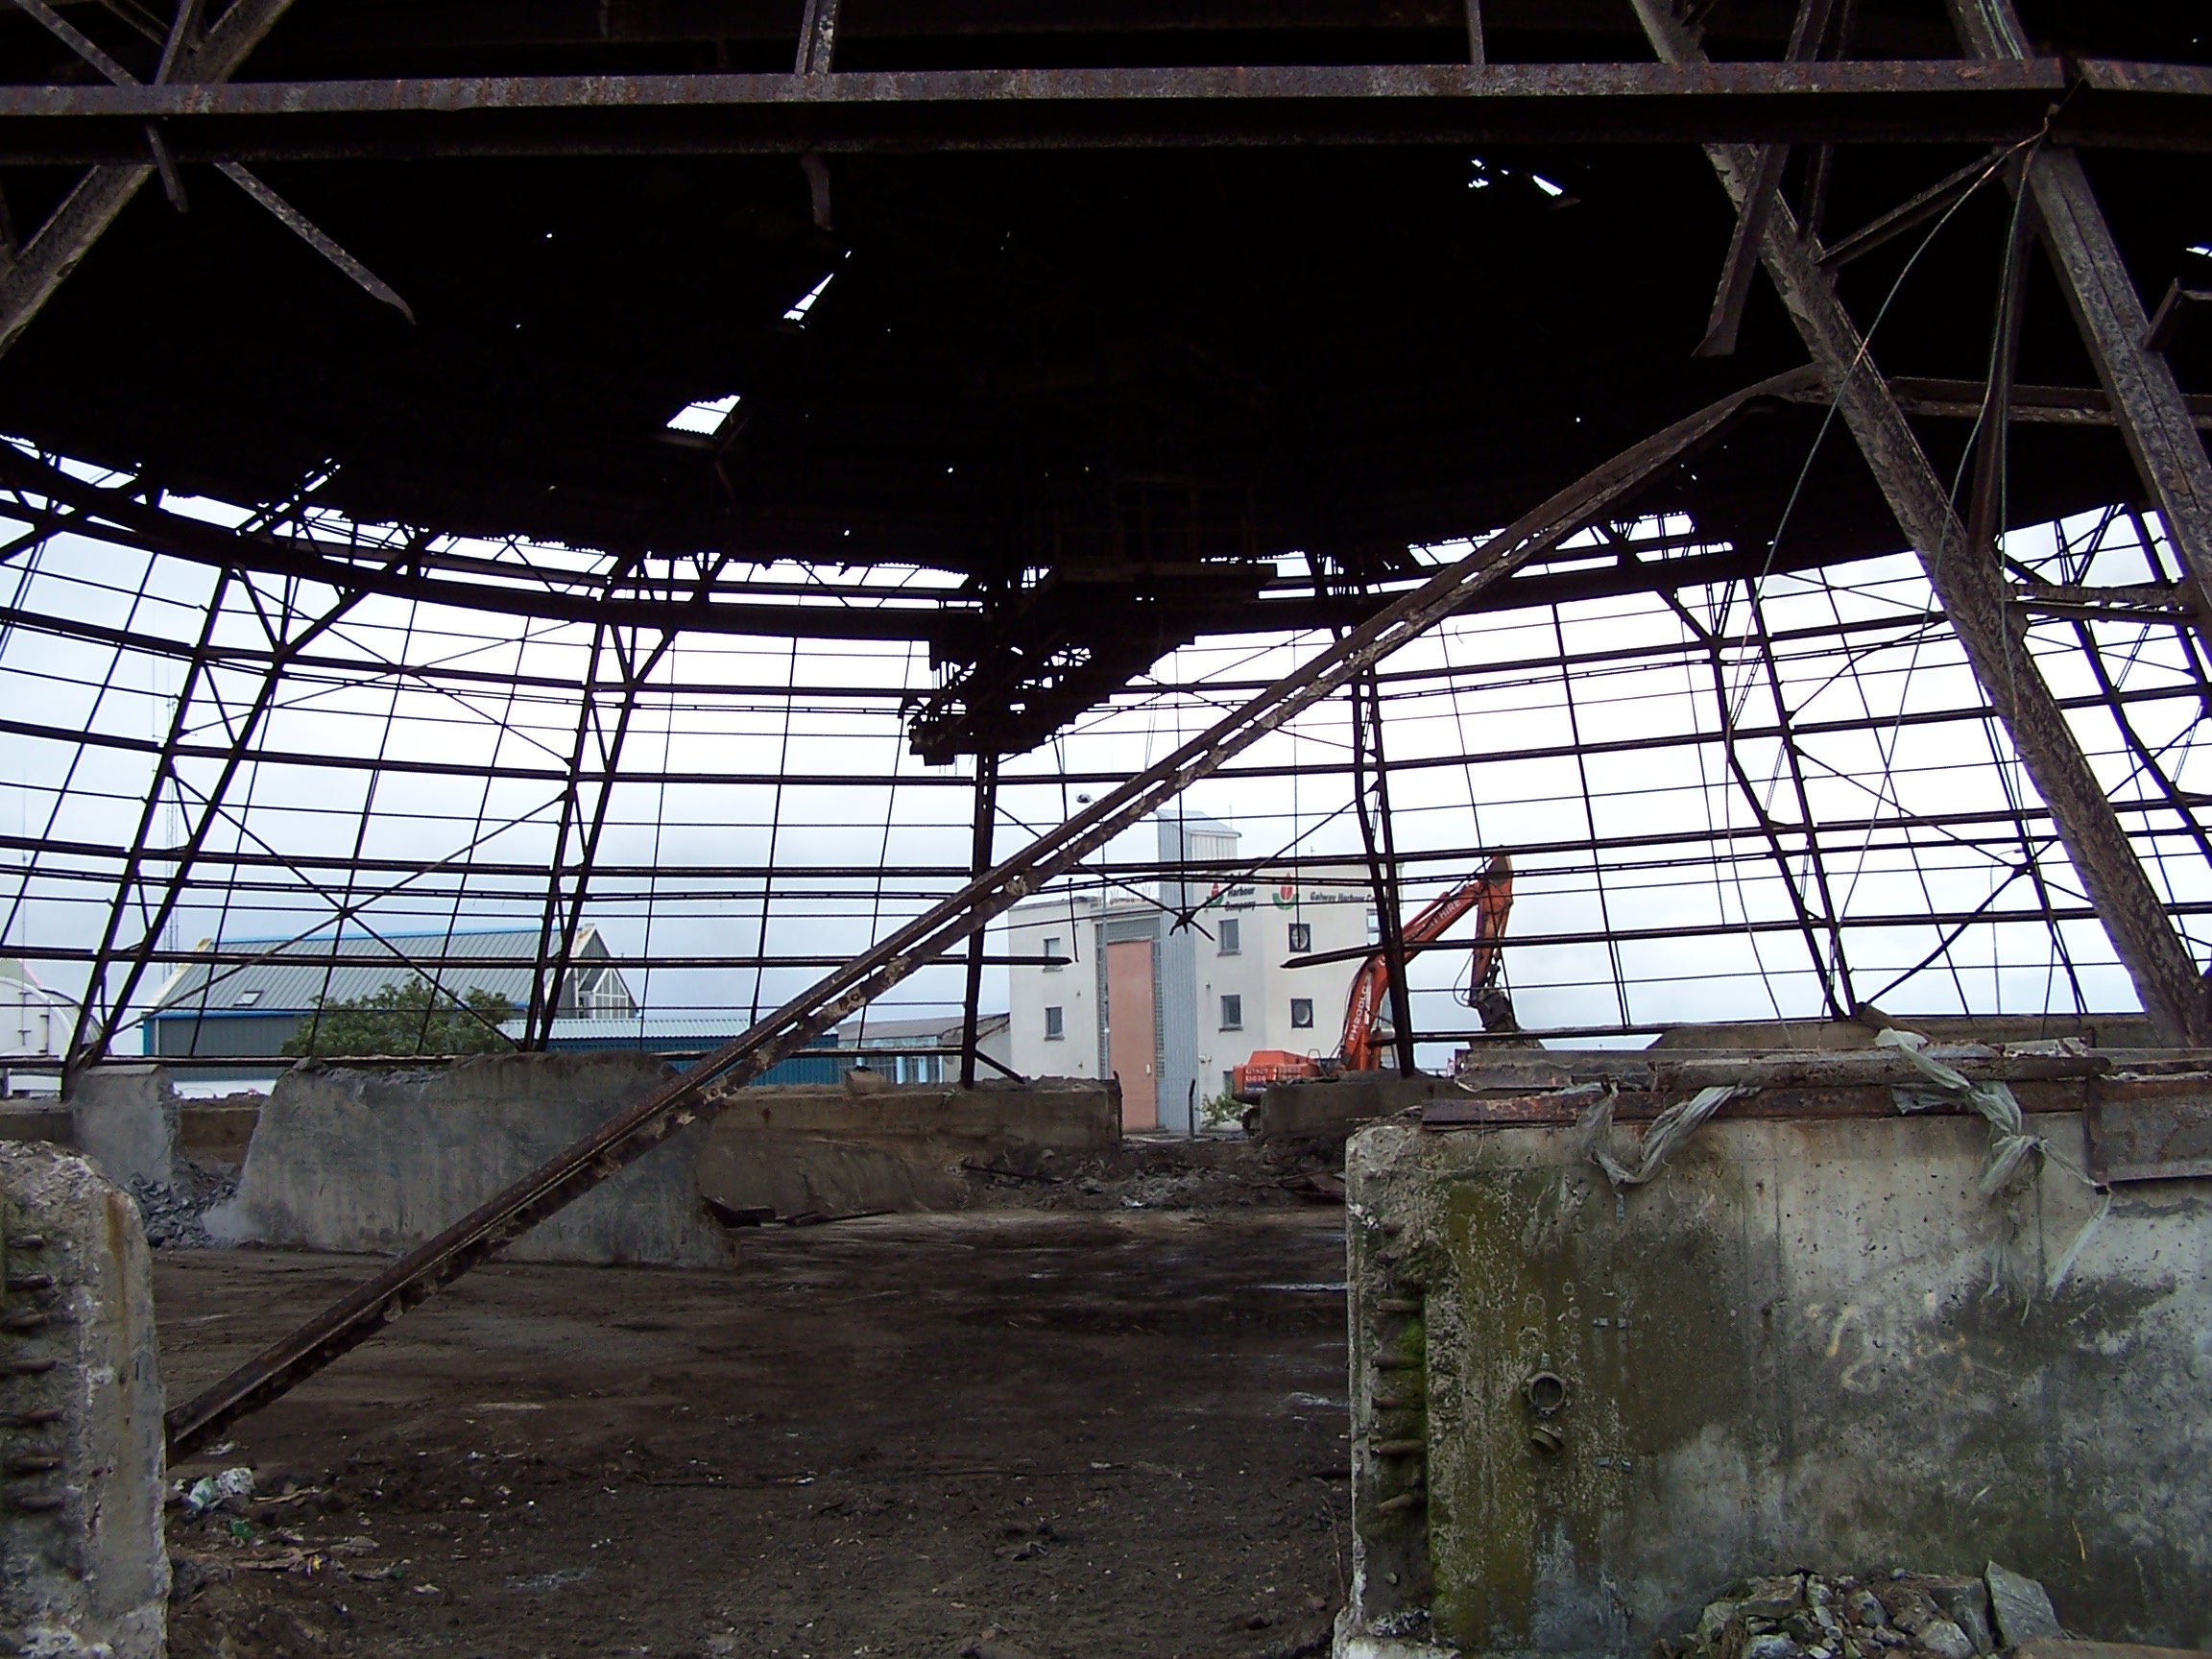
(782, 484)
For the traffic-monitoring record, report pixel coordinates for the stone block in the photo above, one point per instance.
(126, 1122)
(2022, 1607)
(380, 1159)
(82, 1564)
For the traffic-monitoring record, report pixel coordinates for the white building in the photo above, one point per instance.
(34, 1024)
(1171, 1009)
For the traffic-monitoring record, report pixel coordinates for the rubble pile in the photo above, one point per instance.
(175, 1211)
(1913, 1615)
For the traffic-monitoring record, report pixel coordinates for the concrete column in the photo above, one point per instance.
(82, 1566)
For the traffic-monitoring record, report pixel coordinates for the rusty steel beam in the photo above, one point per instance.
(1974, 598)
(118, 514)
(929, 937)
(1906, 101)
(96, 1027)
(83, 215)
(972, 994)
(2154, 417)
(2060, 602)
(1742, 261)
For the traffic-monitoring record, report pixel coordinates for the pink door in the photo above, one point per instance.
(1129, 1041)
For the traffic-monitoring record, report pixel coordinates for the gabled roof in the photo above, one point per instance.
(460, 961)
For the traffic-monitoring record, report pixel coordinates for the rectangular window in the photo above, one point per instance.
(1232, 937)
(1301, 937)
(1055, 1024)
(1232, 1012)
(1374, 929)
(1052, 948)
(247, 999)
(1302, 1013)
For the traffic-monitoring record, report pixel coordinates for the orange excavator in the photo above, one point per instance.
(1490, 895)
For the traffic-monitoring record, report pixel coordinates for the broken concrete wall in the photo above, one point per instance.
(82, 1564)
(829, 1150)
(379, 1159)
(1331, 1108)
(125, 1119)
(50, 1124)
(217, 1130)
(1804, 1344)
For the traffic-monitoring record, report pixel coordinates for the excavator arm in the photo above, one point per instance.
(1490, 895)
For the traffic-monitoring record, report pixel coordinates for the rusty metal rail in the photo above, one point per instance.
(1907, 101)
(931, 936)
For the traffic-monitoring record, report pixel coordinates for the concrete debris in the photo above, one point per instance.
(2022, 1608)
(1913, 1615)
(175, 1211)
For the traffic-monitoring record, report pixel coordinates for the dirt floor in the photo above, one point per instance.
(998, 1434)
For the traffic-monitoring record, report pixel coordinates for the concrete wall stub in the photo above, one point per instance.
(1329, 1109)
(827, 1149)
(126, 1122)
(83, 1569)
(379, 1159)
(1807, 1343)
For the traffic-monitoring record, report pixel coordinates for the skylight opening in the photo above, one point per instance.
(2202, 250)
(1546, 185)
(806, 302)
(704, 416)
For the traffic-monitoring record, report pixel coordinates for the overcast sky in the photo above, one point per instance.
(1487, 718)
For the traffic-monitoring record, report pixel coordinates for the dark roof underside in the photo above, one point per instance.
(1031, 358)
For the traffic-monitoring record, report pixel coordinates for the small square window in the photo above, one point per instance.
(1052, 948)
(1232, 1012)
(245, 999)
(1232, 937)
(1055, 1024)
(1301, 937)
(1302, 1013)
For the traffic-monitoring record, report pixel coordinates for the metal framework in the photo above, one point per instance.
(1847, 664)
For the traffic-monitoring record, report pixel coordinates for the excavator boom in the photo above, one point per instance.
(1490, 895)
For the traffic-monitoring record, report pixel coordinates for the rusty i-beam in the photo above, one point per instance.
(2153, 414)
(60, 245)
(1971, 589)
(934, 934)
